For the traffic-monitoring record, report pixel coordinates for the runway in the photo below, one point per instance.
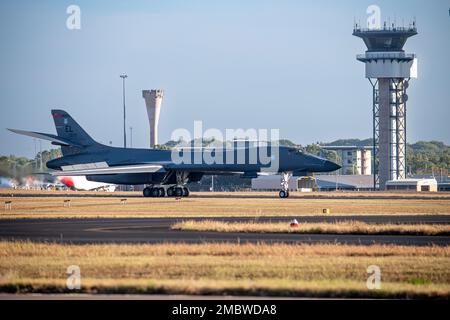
(157, 230)
(224, 195)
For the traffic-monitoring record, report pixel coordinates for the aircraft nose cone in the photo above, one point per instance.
(331, 166)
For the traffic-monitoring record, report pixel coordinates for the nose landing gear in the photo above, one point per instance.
(284, 192)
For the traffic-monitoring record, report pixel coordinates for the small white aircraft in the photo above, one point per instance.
(82, 184)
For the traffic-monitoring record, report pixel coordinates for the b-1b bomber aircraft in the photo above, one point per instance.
(166, 172)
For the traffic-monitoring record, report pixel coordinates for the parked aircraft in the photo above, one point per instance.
(82, 184)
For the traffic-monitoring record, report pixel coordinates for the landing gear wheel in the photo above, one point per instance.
(185, 192)
(155, 192)
(179, 192)
(283, 194)
(147, 192)
(170, 192)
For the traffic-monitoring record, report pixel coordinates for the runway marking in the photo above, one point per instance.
(124, 228)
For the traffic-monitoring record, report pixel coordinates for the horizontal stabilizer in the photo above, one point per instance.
(99, 170)
(46, 136)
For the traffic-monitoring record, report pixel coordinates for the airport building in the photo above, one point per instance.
(355, 182)
(315, 183)
(272, 183)
(442, 178)
(355, 160)
(444, 186)
(420, 185)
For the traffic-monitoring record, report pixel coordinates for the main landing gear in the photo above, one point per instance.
(284, 192)
(154, 192)
(175, 191)
(178, 192)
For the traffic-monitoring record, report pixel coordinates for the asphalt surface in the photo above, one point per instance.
(157, 230)
(220, 195)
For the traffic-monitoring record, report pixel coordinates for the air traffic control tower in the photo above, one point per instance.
(389, 70)
(153, 99)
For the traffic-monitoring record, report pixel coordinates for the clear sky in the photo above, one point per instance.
(232, 64)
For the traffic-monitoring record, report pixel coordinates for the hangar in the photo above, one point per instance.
(426, 185)
(321, 182)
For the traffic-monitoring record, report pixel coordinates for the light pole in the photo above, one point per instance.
(40, 155)
(131, 137)
(336, 180)
(124, 76)
(35, 155)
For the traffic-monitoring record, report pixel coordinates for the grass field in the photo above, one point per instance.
(245, 269)
(345, 227)
(242, 269)
(257, 204)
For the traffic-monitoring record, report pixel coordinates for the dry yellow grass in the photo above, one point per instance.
(345, 227)
(278, 269)
(217, 204)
